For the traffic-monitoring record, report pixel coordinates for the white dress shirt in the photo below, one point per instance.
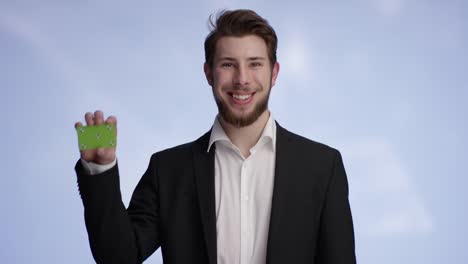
(243, 193)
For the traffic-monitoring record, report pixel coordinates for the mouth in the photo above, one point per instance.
(241, 98)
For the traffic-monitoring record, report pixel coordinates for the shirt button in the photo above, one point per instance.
(246, 198)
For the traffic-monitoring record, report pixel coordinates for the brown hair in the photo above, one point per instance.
(239, 23)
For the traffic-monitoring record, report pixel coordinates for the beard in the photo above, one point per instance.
(244, 119)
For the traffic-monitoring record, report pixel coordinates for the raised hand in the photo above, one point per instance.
(100, 155)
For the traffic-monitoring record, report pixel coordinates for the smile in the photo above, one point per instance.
(241, 99)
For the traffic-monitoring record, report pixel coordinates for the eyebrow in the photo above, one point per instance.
(250, 59)
(257, 58)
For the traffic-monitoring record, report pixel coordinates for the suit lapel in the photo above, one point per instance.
(279, 201)
(204, 174)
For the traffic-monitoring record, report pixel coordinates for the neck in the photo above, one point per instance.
(245, 137)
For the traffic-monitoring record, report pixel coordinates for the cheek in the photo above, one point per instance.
(220, 88)
(222, 76)
(222, 83)
(267, 79)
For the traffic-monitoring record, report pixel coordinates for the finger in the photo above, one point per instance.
(78, 124)
(98, 117)
(112, 120)
(89, 119)
(100, 151)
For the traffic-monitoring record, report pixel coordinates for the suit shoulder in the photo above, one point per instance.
(308, 144)
(310, 153)
(182, 150)
(173, 152)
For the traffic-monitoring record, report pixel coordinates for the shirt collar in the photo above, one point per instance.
(269, 133)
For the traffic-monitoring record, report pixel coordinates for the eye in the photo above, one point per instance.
(256, 64)
(227, 65)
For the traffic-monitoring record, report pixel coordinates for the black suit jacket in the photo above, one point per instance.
(173, 207)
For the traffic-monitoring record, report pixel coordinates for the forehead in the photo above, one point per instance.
(241, 47)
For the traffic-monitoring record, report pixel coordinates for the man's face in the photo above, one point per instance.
(241, 78)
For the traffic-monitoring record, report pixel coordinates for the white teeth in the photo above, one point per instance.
(241, 97)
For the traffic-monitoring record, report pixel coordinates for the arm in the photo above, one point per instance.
(117, 235)
(336, 235)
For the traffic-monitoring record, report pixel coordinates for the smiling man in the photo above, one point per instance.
(248, 191)
(241, 75)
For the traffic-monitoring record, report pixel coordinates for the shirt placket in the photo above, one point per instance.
(245, 224)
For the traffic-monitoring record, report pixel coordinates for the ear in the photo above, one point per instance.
(208, 73)
(274, 73)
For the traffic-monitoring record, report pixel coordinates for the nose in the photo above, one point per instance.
(242, 76)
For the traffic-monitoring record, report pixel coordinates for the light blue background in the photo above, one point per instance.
(383, 81)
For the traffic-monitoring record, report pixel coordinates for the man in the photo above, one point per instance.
(247, 191)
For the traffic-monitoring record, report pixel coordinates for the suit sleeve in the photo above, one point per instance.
(336, 234)
(116, 234)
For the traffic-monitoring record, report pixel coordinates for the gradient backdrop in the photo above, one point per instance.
(383, 81)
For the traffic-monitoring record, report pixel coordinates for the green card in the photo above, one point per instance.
(100, 136)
